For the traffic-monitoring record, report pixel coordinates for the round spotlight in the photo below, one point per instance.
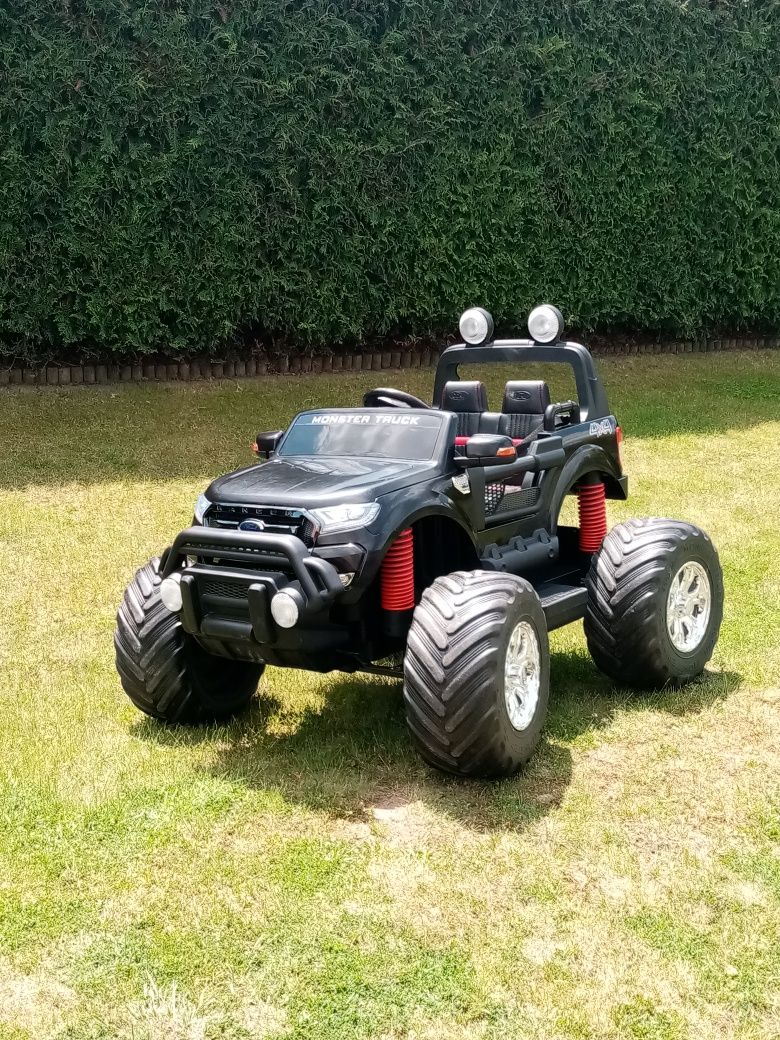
(170, 592)
(476, 326)
(545, 323)
(284, 610)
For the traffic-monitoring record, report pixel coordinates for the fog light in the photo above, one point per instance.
(476, 326)
(545, 323)
(284, 610)
(170, 592)
(346, 578)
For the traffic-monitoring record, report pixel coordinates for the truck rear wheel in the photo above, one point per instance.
(164, 671)
(655, 603)
(477, 673)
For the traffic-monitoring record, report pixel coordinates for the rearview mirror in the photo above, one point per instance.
(489, 449)
(266, 443)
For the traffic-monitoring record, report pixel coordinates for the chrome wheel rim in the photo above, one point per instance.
(688, 607)
(522, 675)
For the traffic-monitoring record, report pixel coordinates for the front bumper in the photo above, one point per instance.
(230, 577)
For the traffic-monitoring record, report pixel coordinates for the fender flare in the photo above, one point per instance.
(590, 458)
(403, 520)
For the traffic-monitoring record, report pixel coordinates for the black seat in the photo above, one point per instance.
(525, 402)
(468, 399)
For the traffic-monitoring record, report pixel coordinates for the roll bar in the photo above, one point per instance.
(590, 389)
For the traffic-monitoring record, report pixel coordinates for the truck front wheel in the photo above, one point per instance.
(476, 673)
(164, 671)
(655, 603)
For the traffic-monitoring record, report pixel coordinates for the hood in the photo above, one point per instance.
(309, 482)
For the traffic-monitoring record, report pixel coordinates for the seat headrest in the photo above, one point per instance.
(526, 397)
(464, 395)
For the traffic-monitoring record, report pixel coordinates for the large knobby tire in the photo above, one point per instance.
(460, 671)
(655, 603)
(164, 671)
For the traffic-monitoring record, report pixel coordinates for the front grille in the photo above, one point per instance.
(275, 519)
(223, 597)
(226, 589)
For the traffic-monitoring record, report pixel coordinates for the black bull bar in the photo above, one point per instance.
(269, 563)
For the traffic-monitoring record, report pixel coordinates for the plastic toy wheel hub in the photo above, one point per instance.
(688, 607)
(522, 675)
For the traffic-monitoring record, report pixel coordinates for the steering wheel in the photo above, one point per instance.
(387, 397)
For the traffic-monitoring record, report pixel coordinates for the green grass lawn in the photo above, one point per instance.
(300, 873)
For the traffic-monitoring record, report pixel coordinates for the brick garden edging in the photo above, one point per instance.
(206, 368)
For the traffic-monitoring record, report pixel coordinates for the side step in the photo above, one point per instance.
(562, 604)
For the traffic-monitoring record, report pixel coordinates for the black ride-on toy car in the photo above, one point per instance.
(429, 533)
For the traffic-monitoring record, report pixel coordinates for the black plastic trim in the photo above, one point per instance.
(563, 604)
(319, 580)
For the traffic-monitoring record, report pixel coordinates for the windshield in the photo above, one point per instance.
(391, 434)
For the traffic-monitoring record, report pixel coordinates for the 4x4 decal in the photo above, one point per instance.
(602, 428)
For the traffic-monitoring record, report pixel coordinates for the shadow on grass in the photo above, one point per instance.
(354, 755)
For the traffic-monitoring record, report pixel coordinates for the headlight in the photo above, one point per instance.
(545, 323)
(343, 518)
(201, 505)
(476, 326)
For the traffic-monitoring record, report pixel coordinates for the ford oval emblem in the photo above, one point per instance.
(457, 395)
(520, 395)
(251, 525)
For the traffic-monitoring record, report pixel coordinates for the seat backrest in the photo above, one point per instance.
(522, 412)
(468, 399)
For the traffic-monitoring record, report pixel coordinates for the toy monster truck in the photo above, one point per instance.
(429, 532)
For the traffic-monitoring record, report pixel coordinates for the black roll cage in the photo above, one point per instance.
(590, 389)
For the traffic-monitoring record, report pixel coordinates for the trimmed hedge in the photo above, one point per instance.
(176, 173)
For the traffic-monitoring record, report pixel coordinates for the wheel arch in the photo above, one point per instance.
(438, 531)
(587, 460)
(442, 544)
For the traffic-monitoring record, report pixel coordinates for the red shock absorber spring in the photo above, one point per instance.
(592, 509)
(398, 573)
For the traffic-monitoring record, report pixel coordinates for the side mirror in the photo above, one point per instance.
(489, 449)
(266, 443)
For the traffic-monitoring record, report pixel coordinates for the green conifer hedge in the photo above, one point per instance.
(175, 172)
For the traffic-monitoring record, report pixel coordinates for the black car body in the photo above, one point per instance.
(401, 468)
(425, 542)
